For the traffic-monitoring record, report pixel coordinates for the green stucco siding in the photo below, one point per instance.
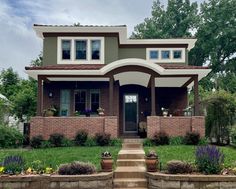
(111, 49)
(50, 51)
(132, 53)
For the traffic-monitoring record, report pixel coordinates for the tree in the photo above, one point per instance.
(221, 112)
(9, 83)
(177, 20)
(38, 61)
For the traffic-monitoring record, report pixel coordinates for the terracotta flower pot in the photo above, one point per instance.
(151, 164)
(106, 164)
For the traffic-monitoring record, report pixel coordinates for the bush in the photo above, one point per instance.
(10, 137)
(203, 141)
(13, 164)
(36, 141)
(76, 168)
(90, 142)
(45, 144)
(56, 139)
(233, 135)
(192, 138)
(176, 140)
(147, 142)
(175, 167)
(67, 142)
(161, 138)
(81, 137)
(209, 159)
(103, 139)
(115, 142)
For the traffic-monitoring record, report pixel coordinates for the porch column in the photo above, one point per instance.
(111, 84)
(153, 96)
(196, 96)
(40, 96)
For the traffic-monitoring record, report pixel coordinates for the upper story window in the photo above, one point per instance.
(80, 50)
(66, 49)
(166, 55)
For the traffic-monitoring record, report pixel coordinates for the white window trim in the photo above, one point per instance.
(73, 59)
(171, 59)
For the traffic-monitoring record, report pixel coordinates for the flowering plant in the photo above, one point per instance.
(164, 109)
(77, 113)
(209, 159)
(48, 170)
(106, 154)
(2, 170)
(151, 154)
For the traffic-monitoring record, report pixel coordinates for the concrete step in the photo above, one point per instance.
(131, 154)
(130, 172)
(132, 146)
(128, 188)
(129, 183)
(133, 140)
(130, 162)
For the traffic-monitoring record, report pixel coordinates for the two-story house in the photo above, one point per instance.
(87, 67)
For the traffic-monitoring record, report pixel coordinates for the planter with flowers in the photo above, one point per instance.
(151, 161)
(106, 161)
(50, 111)
(101, 111)
(164, 111)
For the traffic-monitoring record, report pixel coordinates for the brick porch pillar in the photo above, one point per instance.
(153, 96)
(196, 96)
(111, 93)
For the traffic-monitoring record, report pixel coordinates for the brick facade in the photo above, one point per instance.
(69, 126)
(175, 126)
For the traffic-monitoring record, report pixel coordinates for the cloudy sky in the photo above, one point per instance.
(19, 44)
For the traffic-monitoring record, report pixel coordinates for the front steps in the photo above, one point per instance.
(130, 171)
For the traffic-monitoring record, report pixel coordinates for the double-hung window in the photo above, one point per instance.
(80, 101)
(80, 49)
(94, 100)
(66, 49)
(95, 49)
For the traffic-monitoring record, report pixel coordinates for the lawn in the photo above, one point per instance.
(53, 157)
(187, 153)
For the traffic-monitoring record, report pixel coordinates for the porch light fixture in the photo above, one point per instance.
(50, 94)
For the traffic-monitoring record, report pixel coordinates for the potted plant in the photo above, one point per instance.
(106, 161)
(77, 113)
(187, 111)
(142, 129)
(50, 111)
(164, 111)
(87, 112)
(101, 111)
(151, 161)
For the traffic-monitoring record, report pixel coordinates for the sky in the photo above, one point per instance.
(19, 43)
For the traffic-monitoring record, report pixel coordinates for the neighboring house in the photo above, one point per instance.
(87, 67)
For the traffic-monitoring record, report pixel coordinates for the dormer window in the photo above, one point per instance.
(154, 54)
(177, 54)
(66, 49)
(80, 50)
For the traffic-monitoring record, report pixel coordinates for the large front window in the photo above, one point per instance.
(80, 101)
(94, 100)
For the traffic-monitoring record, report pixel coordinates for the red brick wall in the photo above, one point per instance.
(175, 126)
(69, 126)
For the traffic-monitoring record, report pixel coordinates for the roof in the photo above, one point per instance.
(99, 66)
(61, 25)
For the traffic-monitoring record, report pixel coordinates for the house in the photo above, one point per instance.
(87, 67)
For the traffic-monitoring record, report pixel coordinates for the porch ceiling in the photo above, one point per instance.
(78, 79)
(171, 81)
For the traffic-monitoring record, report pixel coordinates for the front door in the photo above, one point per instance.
(130, 113)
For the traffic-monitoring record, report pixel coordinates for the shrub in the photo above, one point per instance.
(192, 138)
(176, 140)
(76, 168)
(81, 137)
(36, 141)
(160, 138)
(115, 142)
(45, 144)
(233, 135)
(103, 139)
(203, 141)
(209, 159)
(56, 139)
(13, 164)
(176, 166)
(90, 142)
(10, 137)
(67, 142)
(147, 142)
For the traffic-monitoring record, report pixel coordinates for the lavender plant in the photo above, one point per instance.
(13, 164)
(209, 159)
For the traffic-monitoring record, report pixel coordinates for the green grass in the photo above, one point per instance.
(187, 153)
(53, 157)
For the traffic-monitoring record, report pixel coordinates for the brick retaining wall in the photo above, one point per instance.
(95, 181)
(167, 181)
(69, 126)
(176, 125)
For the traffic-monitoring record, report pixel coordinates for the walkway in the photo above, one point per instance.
(130, 171)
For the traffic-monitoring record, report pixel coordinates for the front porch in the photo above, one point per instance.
(130, 90)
